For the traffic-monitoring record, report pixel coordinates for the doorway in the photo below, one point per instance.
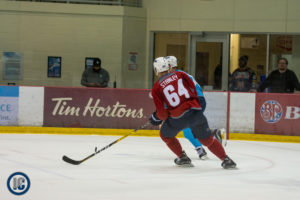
(209, 60)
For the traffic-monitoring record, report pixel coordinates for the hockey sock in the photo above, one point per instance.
(214, 146)
(173, 144)
(189, 135)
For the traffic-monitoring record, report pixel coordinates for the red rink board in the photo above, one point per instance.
(97, 108)
(277, 114)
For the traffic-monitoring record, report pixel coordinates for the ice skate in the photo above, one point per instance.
(202, 153)
(183, 161)
(228, 163)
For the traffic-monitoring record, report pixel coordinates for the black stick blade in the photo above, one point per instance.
(77, 162)
(71, 161)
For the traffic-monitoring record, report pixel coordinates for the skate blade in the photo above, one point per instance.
(186, 165)
(203, 157)
(232, 168)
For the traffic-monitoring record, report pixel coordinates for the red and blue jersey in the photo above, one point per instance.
(173, 94)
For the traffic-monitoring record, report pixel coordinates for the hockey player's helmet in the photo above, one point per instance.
(160, 65)
(171, 60)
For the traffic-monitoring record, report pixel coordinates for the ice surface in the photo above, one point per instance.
(142, 168)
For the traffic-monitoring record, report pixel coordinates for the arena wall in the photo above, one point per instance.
(73, 32)
(224, 15)
(90, 110)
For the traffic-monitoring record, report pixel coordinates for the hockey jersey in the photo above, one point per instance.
(198, 87)
(174, 94)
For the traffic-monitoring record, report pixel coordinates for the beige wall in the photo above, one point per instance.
(74, 32)
(224, 15)
(134, 37)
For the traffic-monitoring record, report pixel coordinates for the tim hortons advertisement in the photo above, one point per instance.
(97, 108)
(277, 114)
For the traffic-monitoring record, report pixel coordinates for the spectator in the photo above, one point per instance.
(243, 79)
(281, 80)
(218, 77)
(95, 76)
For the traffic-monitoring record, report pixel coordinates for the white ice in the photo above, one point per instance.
(142, 168)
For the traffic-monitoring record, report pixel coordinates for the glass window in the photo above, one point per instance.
(287, 46)
(280, 46)
(209, 65)
(172, 44)
(253, 48)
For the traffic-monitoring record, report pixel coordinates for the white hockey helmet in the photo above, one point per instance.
(171, 60)
(160, 65)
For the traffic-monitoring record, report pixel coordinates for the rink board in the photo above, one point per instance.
(78, 107)
(277, 114)
(9, 105)
(96, 108)
(242, 112)
(143, 133)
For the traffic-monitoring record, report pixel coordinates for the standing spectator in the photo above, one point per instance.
(281, 80)
(243, 79)
(95, 76)
(218, 77)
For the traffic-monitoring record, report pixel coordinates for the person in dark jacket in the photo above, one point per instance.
(95, 76)
(281, 80)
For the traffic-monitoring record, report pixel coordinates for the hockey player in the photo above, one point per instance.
(172, 61)
(175, 98)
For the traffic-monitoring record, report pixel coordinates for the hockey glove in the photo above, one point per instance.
(155, 121)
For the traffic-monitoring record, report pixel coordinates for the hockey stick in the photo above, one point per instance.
(77, 162)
